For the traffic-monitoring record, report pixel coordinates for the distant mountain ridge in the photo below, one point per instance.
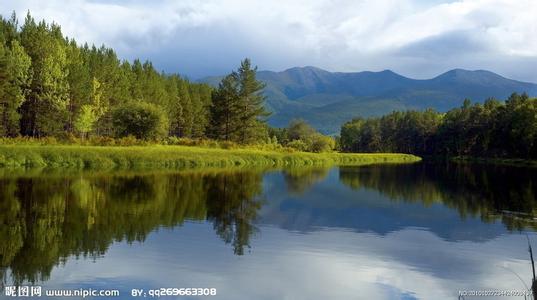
(328, 99)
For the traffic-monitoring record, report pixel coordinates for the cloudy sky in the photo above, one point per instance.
(417, 38)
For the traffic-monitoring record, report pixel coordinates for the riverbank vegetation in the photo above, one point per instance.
(174, 157)
(495, 130)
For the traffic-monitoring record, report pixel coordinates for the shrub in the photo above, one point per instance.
(321, 143)
(298, 145)
(228, 145)
(101, 141)
(128, 141)
(141, 120)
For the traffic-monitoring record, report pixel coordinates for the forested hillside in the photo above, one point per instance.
(52, 86)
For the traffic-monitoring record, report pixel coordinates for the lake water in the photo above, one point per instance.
(417, 231)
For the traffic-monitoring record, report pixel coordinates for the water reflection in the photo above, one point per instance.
(299, 180)
(45, 220)
(485, 191)
(326, 215)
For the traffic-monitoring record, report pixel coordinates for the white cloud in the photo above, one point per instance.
(319, 265)
(208, 37)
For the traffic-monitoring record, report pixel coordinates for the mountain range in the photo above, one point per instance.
(328, 99)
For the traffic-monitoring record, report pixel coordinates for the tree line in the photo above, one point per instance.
(498, 129)
(50, 86)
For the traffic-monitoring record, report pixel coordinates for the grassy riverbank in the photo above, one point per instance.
(174, 157)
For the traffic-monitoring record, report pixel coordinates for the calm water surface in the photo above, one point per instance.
(419, 231)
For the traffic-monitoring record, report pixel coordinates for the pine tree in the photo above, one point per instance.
(173, 105)
(79, 83)
(225, 110)
(200, 112)
(137, 80)
(187, 120)
(8, 29)
(14, 79)
(45, 110)
(252, 113)
(237, 111)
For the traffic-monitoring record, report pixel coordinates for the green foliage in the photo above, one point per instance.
(237, 110)
(85, 120)
(225, 110)
(251, 101)
(141, 120)
(51, 86)
(408, 132)
(80, 89)
(302, 137)
(299, 130)
(299, 145)
(492, 129)
(14, 80)
(321, 143)
(45, 110)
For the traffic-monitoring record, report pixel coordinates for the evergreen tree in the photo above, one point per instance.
(199, 110)
(186, 122)
(8, 29)
(173, 106)
(225, 110)
(45, 110)
(14, 79)
(251, 101)
(137, 80)
(79, 83)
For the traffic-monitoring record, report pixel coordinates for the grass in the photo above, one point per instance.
(174, 157)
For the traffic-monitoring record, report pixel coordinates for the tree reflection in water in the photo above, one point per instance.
(47, 219)
(485, 191)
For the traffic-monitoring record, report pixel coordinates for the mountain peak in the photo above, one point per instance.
(388, 71)
(468, 74)
(305, 69)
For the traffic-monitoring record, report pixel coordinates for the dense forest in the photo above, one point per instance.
(493, 129)
(51, 86)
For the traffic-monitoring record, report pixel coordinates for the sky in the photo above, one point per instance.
(197, 38)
